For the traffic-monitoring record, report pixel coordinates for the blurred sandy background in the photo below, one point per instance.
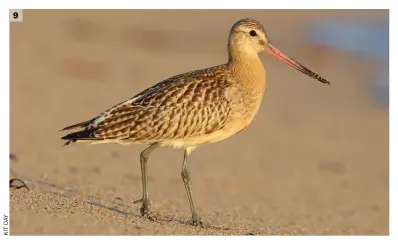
(314, 161)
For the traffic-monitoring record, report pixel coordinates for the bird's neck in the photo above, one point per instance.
(247, 69)
(248, 75)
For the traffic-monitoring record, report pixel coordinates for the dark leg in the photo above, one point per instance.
(187, 182)
(145, 208)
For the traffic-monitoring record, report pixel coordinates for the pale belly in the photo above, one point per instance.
(208, 138)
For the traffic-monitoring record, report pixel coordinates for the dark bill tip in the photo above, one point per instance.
(286, 59)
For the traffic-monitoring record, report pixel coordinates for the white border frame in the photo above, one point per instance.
(202, 4)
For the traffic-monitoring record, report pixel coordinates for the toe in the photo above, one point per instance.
(195, 222)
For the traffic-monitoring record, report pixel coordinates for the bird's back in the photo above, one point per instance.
(184, 106)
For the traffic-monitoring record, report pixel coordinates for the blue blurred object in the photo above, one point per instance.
(365, 38)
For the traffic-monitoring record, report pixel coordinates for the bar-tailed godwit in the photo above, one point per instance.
(197, 107)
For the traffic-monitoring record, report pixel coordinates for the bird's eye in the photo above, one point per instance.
(253, 33)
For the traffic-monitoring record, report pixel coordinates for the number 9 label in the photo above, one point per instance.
(16, 15)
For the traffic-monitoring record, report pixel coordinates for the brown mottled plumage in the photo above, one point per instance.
(183, 106)
(194, 108)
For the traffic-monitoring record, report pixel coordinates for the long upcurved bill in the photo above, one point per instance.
(284, 58)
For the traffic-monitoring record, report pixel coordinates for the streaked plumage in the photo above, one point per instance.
(193, 108)
(184, 106)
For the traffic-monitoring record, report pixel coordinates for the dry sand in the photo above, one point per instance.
(314, 161)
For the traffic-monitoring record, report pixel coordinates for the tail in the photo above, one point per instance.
(86, 134)
(78, 125)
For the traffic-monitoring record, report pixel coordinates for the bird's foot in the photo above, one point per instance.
(196, 222)
(145, 209)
